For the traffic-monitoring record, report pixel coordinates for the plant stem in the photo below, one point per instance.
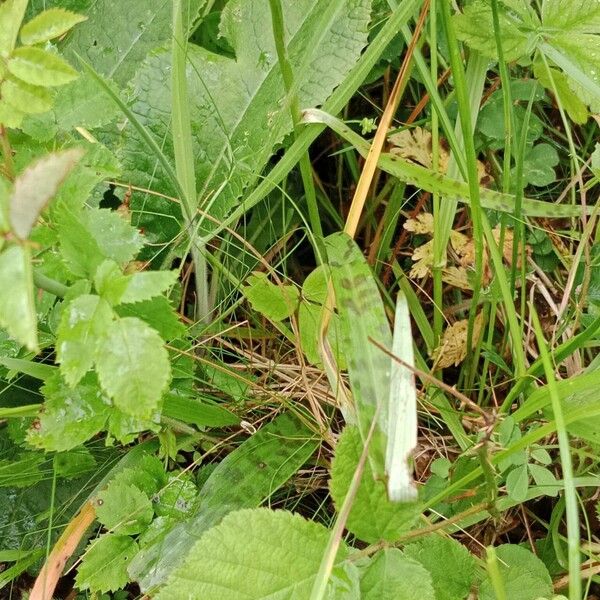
(184, 159)
(49, 285)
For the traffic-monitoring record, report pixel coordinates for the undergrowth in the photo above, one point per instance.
(299, 299)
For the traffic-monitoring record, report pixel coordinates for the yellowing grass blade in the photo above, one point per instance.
(402, 410)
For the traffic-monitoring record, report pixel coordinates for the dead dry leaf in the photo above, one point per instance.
(452, 349)
(422, 224)
(457, 277)
(423, 259)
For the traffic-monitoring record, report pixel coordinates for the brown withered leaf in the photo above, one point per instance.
(452, 349)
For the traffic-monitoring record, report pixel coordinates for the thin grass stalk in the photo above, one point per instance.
(291, 91)
(571, 500)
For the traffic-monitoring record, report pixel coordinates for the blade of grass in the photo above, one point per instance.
(571, 499)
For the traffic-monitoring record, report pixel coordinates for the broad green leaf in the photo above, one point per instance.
(255, 553)
(392, 576)
(10, 116)
(177, 498)
(90, 236)
(39, 67)
(578, 17)
(315, 285)
(245, 478)
(22, 470)
(373, 517)
(149, 476)
(36, 186)
(30, 99)
(125, 429)
(118, 288)
(82, 326)
(451, 566)
(69, 416)
(11, 15)
(117, 36)
(524, 575)
(133, 366)
(158, 313)
(475, 26)
(544, 478)
(104, 564)
(538, 165)
(50, 24)
(124, 509)
(234, 133)
(17, 305)
(74, 463)
(276, 302)
(553, 79)
(517, 483)
(361, 308)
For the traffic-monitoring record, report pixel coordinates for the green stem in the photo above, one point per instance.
(49, 285)
(290, 88)
(571, 500)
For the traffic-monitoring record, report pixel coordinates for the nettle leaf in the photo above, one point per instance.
(83, 323)
(276, 302)
(90, 236)
(36, 186)
(124, 509)
(118, 288)
(133, 366)
(158, 313)
(50, 24)
(11, 16)
(238, 556)
(104, 564)
(372, 517)
(453, 575)
(69, 416)
(234, 133)
(38, 67)
(524, 575)
(17, 304)
(390, 575)
(245, 478)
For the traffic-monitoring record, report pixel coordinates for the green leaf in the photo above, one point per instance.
(544, 478)
(11, 16)
(361, 308)
(276, 302)
(372, 517)
(555, 79)
(517, 483)
(391, 576)
(234, 133)
(75, 463)
(50, 24)
(82, 326)
(158, 313)
(133, 366)
(237, 556)
(314, 287)
(245, 478)
(124, 509)
(89, 237)
(451, 566)
(115, 48)
(38, 67)
(524, 576)
(22, 470)
(475, 26)
(17, 305)
(69, 416)
(30, 99)
(36, 186)
(104, 564)
(117, 288)
(177, 498)
(538, 165)
(192, 410)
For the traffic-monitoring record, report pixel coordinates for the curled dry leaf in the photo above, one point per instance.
(453, 346)
(422, 224)
(416, 145)
(423, 259)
